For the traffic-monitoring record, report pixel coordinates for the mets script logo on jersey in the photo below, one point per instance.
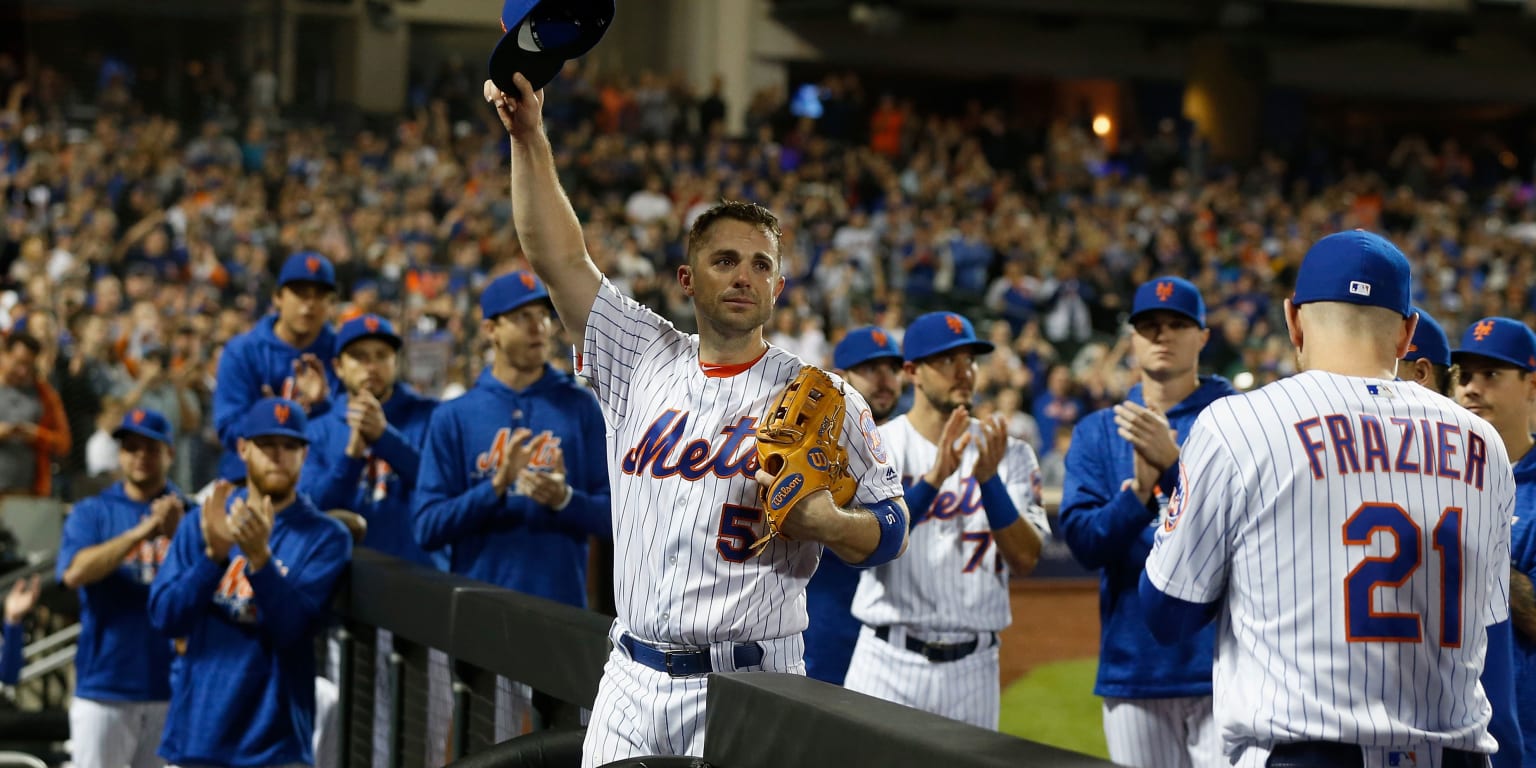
(1164, 290)
(654, 454)
(542, 459)
(235, 594)
(1482, 330)
(144, 560)
(951, 504)
(871, 435)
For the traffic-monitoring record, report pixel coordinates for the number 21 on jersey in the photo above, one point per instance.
(1365, 624)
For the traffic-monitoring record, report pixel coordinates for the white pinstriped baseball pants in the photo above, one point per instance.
(966, 689)
(1163, 733)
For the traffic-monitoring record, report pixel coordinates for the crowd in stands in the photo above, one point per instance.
(135, 242)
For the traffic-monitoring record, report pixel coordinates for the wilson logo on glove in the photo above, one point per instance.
(786, 490)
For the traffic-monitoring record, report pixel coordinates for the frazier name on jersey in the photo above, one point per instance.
(1363, 443)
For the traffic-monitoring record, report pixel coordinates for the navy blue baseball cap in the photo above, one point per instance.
(862, 345)
(938, 332)
(1355, 267)
(539, 36)
(275, 416)
(1169, 294)
(511, 291)
(146, 423)
(1429, 341)
(307, 267)
(1499, 338)
(368, 326)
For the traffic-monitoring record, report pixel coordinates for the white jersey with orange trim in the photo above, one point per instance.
(682, 458)
(1354, 534)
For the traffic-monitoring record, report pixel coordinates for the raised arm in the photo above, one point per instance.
(546, 224)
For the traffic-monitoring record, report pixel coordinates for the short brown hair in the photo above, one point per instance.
(735, 210)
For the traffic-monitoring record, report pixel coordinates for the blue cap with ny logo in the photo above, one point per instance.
(539, 36)
(1355, 267)
(1169, 294)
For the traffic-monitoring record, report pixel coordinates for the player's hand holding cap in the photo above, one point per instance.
(1500, 338)
(939, 332)
(862, 345)
(275, 417)
(539, 36)
(1429, 342)
(1169, 294)
(1356, 267)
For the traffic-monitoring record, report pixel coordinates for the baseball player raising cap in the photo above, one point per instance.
(1358, 518)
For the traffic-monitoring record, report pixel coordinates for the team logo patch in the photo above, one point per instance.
(1164, 290)
(138, 416)
(528, 280)
(879, 338)
(1482, 330)
(1176, 502)
(956, 325)
(872, 435)
(280, 412)
(817, 458)
(371, 323)
(786, 490)
(312, 264)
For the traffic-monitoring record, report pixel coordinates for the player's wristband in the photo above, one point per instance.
(920, 496)
(893, 531)
(999, 506)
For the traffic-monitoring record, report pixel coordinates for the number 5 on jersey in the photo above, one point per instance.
(1363, 623)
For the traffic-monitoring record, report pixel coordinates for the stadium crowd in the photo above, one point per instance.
(139, 235)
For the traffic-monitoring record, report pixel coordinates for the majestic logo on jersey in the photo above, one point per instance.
(235, 594)
(144, 560)
(785, 490)
(280, 412)
(956, 325)
(1482, 330)
(1164, 290)
(871, 433)
(879, 338)
(736, 455)
(542, 459)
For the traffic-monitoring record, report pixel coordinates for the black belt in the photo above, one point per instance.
(938, 651)
(687, 663)
(1326, 754)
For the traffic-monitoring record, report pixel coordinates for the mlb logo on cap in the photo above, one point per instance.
(1355, 267)
(1504, 339)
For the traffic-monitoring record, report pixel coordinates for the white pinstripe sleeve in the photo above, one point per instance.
(1193, 548)
(1496, 607)
(868, 457)
(619, 331)
(1022, 472)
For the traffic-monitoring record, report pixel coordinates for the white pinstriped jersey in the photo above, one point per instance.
(681, 459)
(952, 578)
(1356, 534)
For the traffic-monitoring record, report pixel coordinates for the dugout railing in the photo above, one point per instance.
(755, 720)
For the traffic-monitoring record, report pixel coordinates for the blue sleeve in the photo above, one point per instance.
(1100, 525)
(291, 605)
(183, 589)
(404, 459)
(1171, 619)
(329, 477)
(81, 529)
(445, 509)
(11, 656)
(236, 389)
(589, 510)
(1499, 684)
(919, 498)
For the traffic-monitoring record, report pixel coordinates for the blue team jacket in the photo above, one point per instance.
(1108, 527)
(1522, 550)
(120, 655)
(250, 360)
(243, 695)
(378, 488)
(513, 542)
